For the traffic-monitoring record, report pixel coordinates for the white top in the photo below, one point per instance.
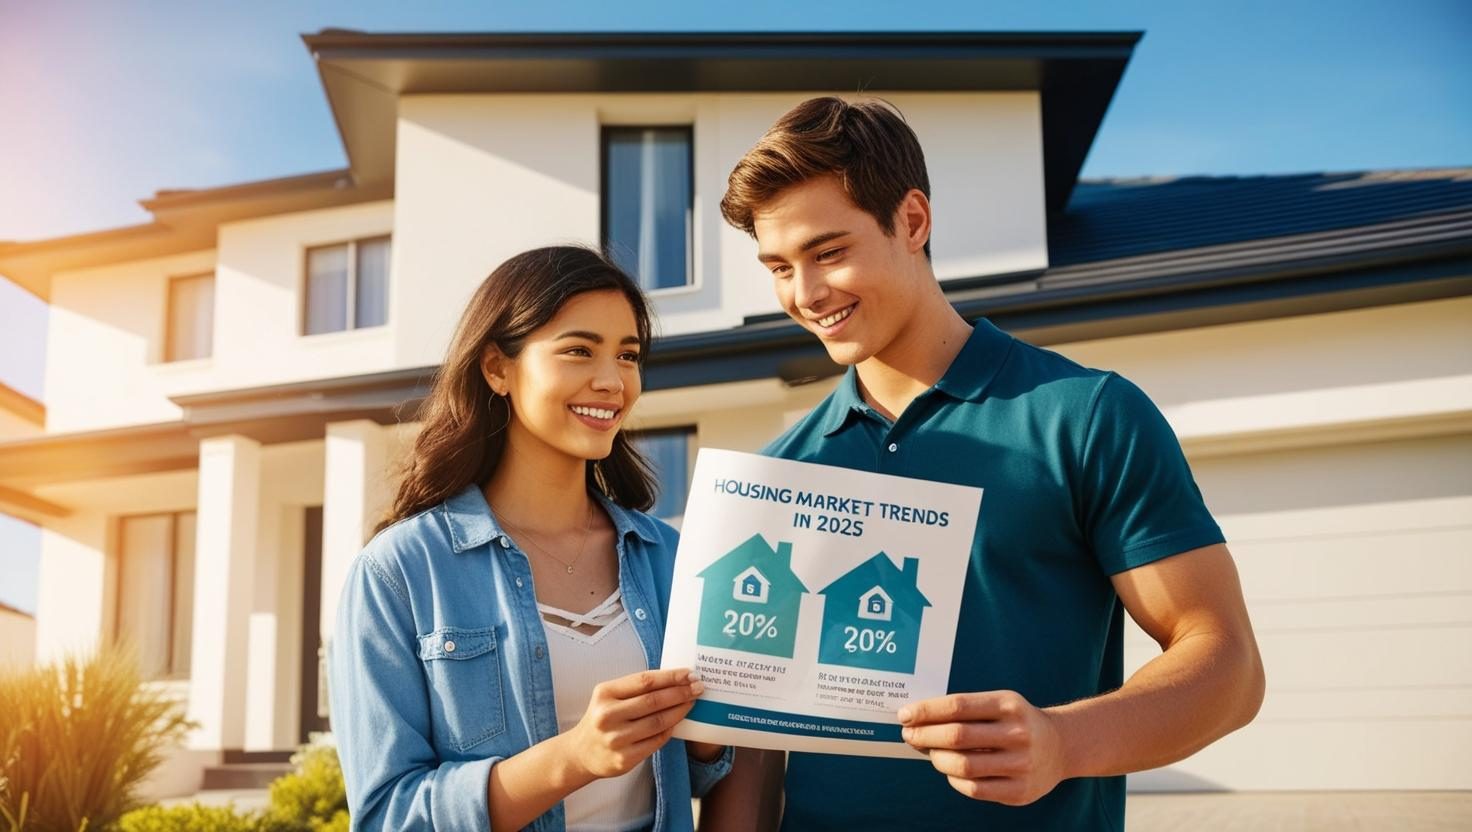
(594, 647)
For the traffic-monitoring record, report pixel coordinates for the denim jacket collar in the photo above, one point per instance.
(472, 524)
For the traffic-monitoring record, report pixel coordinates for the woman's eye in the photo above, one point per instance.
(580, 351)
(630, 356)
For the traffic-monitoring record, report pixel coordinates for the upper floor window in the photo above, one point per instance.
(347, 286)
(155, 609)
(191, 317)
(668, 452)
(648, 202)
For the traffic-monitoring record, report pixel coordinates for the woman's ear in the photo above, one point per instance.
(494, 365)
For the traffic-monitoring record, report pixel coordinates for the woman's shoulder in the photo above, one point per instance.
(409, 546)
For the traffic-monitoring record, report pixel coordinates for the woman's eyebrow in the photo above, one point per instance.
(595, 337)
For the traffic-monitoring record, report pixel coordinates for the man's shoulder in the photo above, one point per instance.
(1044, 378)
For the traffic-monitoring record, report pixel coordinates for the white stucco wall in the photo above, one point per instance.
(483, 177)
(17, 640)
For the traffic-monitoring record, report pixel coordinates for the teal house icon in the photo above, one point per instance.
(750, 600)
(871, 616)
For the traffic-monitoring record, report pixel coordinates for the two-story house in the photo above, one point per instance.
(230, 385)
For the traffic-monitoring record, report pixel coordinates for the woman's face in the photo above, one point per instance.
(576, 377)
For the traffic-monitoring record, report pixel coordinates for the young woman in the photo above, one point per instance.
(491, 667)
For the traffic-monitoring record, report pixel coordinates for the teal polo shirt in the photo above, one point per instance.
(1083, 478)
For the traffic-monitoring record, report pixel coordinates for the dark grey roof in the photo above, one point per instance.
(1119, 218)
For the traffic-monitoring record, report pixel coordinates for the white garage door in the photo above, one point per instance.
(1357, 565)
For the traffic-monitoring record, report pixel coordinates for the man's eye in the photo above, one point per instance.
(830, 254)
(781, 271)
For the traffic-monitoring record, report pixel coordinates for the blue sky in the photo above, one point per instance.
(104, 103)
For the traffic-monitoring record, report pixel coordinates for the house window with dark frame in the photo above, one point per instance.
(346, 286)
(191, 318)
(155, 591)
(649, 202)
(668, 452)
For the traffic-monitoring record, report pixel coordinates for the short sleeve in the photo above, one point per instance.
(1139, 500)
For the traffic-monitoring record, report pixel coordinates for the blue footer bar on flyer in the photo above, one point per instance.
(757, 719)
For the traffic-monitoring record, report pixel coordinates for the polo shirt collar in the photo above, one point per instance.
(472, 524)
(979, 361)
(973, 368)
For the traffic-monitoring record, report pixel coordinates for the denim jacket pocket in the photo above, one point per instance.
(464, 674)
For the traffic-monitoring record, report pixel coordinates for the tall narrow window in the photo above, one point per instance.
(156, 591)
(668, 452)
(648, 202)
(347, 286)
(191, 318)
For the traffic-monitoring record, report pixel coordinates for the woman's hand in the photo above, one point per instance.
(629, 718)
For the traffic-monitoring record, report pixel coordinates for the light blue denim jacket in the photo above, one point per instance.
(439, 668)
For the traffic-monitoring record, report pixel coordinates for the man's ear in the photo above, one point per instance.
(913, 220)
(494, 366)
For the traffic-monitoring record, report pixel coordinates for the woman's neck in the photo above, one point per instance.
(538, 488)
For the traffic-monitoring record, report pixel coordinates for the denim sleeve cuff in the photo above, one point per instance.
(462, 801)
(703, 775)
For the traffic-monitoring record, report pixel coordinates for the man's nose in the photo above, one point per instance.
(810, 289)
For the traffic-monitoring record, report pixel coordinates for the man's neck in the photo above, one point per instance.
(914, 361)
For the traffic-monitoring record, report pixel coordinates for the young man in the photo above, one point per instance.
(1089, 506)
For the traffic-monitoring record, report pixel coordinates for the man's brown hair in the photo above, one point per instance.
(866, 144)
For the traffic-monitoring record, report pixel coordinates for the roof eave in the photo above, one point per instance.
(1076, 74)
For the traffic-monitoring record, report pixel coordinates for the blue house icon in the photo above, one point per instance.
(871, 616)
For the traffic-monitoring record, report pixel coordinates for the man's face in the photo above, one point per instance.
(835, 270)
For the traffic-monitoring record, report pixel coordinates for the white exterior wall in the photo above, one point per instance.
(17, 641)
(105, 341)
(105, 344)
(480, 178)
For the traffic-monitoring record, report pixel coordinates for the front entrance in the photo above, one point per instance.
(314, 676)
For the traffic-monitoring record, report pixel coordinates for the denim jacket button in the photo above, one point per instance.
(518, 582)
(449, 646)
(640, 614)
(505, 542)
(540, 652)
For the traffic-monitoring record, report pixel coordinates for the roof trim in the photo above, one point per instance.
(1076, 73)
(184, 221)
(22, 405)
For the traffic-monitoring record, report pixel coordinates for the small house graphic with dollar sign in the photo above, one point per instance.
(871, 616)
(750, 599)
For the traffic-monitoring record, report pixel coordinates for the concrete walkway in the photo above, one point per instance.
(1215, 811)
(1300, 811)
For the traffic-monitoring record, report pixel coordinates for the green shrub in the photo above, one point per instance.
(77, 739)
(313, 797)
(191, 817)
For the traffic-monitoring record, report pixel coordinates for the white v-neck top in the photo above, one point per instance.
(579, 662)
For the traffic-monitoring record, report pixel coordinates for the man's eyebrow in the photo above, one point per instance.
(809, 245)
(595, 337)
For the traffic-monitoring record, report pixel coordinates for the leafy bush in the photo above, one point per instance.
(77, 740)
(191, 817)
(312, 798)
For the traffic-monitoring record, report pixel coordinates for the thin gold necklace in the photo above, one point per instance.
(582, 547)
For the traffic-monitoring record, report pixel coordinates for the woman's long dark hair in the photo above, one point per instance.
(463, 435)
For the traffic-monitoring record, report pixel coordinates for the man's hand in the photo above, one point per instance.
(991, 746)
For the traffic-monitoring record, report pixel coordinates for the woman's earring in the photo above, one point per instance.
(506, 404)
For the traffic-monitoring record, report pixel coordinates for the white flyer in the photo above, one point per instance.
(815, 601)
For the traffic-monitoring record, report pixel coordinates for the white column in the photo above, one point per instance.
(356, 490)
(227, 540)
